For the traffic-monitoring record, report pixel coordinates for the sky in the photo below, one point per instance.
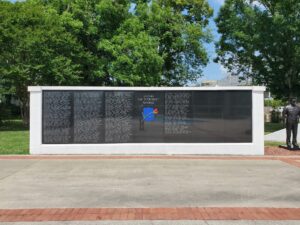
(213, 71)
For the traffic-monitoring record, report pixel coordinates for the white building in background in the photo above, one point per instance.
(209, 83)
(229, 80)
(267, 95)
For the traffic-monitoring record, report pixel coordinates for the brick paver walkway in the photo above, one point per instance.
(280, 151)
(290, 158)
(92, 214)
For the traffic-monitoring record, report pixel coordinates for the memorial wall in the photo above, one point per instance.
(137, 116)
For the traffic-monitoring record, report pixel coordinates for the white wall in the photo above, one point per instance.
(254, 148)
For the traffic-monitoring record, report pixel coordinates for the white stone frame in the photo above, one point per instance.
(256, 147)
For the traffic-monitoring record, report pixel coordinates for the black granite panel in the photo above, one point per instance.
(57, 117)
(222, 116)
(178, 116)
(237, 116)
(118, 116)
(147, 117)
(88, 116)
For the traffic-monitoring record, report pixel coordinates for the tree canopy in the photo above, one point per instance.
(261, 39)
(36, 49)
(101, 42)
(180, 28)
(139, 42)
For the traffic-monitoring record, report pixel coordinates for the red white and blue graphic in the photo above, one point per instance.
(149, 113)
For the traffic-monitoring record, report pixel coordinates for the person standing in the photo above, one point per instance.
(291, 114)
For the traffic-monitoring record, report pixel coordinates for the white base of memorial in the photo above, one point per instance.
(256, 147)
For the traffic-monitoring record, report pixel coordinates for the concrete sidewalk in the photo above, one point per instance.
(148, 183)
(280, 135)
(160, 182)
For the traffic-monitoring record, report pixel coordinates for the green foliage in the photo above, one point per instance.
(274, 103)
(36, 49)
(101, 42)
(179, 27)
(90, 22)
(7, 110)
(139, 42)
(276, 114)
(131, 56)
(3, 112)
(261, 39)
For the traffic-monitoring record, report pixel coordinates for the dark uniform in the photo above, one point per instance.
(292, 114)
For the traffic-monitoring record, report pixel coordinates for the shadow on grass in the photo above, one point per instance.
(13, 125)
(272, 127)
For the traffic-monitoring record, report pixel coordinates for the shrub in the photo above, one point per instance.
(274, 103)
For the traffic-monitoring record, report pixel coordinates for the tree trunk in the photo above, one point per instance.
(24, 107)
(290, 93)
(1, 113)
(25, 114)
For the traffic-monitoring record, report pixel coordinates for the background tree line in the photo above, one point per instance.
(261, 39)
(145, 43)
(101, 42)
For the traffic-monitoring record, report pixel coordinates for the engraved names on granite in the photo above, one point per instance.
(82, 117)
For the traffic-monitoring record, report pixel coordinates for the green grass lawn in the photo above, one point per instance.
(273, 143)
(14, 138)
(272, 127)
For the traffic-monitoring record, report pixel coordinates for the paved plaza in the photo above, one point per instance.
(59, 185)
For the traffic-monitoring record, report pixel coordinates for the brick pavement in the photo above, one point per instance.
(276, 151)
(195, 213)
(272, 153)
